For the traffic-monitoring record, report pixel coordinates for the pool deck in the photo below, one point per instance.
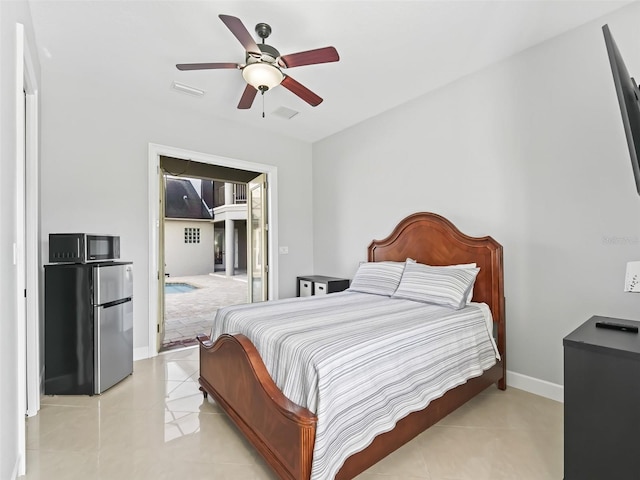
(190, 313)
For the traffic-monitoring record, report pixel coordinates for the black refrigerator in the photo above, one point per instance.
(88, 327)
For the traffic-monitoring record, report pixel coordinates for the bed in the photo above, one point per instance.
(283, 432)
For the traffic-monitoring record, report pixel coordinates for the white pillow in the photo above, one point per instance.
(465, 265)
(448, 286)
(460, 265)
(379, 278)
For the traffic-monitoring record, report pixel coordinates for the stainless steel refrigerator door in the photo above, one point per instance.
(113, 354)
(112, 282)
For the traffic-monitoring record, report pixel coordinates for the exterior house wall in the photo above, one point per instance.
(182, 258)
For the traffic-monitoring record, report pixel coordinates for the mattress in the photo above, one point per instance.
(361, 362)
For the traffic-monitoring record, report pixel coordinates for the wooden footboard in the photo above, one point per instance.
(283, 432)
(232, 371)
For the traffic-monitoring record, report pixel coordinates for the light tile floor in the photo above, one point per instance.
(188, 314)
(155, 424)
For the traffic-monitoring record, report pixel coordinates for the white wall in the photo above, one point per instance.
(95, 141)
(182, 259)
(11, 413)
(530, 151)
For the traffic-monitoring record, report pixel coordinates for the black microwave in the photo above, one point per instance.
(83, 247)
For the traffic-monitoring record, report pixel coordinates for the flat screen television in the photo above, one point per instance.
(629, 100)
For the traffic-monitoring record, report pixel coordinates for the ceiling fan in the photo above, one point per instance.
(263, 65)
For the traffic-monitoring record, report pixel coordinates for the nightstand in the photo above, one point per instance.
(320, 285)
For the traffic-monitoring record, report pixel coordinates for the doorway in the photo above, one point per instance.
(163, 159)
(204, 250)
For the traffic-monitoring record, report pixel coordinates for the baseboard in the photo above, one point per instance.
(141, 353)
(536, 386)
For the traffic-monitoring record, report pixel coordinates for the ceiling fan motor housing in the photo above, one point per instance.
(269, 54)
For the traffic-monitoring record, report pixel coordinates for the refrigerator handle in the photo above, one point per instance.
(116, 302)
(96, 350)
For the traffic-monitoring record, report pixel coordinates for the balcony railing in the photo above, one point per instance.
(239, 194)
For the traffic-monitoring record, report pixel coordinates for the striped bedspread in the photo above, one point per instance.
(361, 362)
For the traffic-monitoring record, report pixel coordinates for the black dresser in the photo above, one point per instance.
(602, 402)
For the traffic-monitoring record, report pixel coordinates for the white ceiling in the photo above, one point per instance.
(390, 51)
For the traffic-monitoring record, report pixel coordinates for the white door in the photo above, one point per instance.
(257, 228)
(161, 277)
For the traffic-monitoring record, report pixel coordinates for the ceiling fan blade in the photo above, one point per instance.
(205, 66)
(310, 57)
(247, 97)
(242, 34)
(300, 90)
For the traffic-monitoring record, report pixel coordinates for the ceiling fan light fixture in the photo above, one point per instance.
(262, 76)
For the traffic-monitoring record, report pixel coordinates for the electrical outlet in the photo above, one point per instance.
(283, 250)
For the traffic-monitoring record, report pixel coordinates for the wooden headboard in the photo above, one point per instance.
(433, 240)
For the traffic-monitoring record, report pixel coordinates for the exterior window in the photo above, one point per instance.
(191, 235)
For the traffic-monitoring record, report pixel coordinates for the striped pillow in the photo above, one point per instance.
(465, 265)
(379, 278)
(446, 286)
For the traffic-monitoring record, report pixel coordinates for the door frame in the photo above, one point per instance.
(35, 367)
(26, 249)
(155, 151)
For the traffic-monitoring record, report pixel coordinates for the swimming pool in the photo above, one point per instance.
(178, 288)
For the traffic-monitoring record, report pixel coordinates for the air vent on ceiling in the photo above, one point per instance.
(284, 112)
(181, 87)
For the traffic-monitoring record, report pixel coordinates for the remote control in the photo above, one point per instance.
(617, 326)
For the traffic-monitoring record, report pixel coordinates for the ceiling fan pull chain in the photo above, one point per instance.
(263, 104)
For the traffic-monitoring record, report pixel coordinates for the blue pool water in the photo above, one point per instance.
(178, 288)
